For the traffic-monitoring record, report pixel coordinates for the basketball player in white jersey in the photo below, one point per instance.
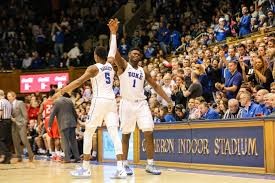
(103, 107)
(133, 105)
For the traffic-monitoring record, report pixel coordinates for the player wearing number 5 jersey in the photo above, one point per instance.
(103, 107)
(133, 105)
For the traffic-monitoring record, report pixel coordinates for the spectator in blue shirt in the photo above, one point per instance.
(268, 100)
(37, 62)
(166, 116)
(149, 50)
(260, 100)
(175, 39)
(123, 48)
(221, 30)
(163, 37)
(232, 83)
(244, 24)
(208, 113)
(58, 38)
(250, 109)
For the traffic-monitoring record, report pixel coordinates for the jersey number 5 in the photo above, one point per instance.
(107, 77)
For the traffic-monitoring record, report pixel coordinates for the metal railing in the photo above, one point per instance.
(236, 40)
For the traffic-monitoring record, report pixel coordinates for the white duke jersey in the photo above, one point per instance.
(132, 83)
(102, 83)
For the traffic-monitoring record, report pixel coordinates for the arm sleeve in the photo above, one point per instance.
(192, 88)
(113, 46)
(24, 111)
(238, 81)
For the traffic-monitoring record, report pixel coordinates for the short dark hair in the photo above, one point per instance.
(241, 45)
(101, 52)
(51, 93)
(270, 10)
(66, 95)
(136, 48)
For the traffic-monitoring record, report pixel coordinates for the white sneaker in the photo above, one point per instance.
(81, 172)
(120, 174)
(152, 170)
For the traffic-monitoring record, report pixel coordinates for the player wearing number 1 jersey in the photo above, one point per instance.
(54, 144)
(103, 107)
(133, 106)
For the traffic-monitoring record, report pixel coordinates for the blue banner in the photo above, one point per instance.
(238, 146)
(109, 150)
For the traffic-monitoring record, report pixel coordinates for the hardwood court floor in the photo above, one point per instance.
(51, 172)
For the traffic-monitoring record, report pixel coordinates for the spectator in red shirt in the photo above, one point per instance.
(33, 110)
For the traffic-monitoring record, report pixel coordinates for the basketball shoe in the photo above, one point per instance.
(81, 172)
(152, 169)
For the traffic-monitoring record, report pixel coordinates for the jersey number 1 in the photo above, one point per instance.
(134, 83)
(107, 77)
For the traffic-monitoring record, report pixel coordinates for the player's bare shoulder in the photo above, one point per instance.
(92, 70)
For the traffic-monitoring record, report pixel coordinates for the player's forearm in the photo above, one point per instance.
(73, 85)
(161, 93)
(119, 61)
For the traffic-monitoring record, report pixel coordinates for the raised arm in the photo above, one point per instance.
(113, 52)
(91, 71)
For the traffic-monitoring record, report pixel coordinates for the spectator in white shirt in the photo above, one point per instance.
(74, 55)
(87, 94)
(166, 88)
(27, 61)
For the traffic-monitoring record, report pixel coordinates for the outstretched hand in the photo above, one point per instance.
(113, 25)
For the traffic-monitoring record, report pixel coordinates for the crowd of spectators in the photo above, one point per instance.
(205, 82)
(34, 35)
(174, 26)
(37, 134)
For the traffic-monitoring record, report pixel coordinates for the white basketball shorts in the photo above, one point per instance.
(102, 109)
(132, 112)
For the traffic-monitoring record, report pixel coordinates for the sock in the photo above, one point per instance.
(119, 165)
(125, 162)
(94, 154)
(150, 161)
(40, 150)
(86, 164)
